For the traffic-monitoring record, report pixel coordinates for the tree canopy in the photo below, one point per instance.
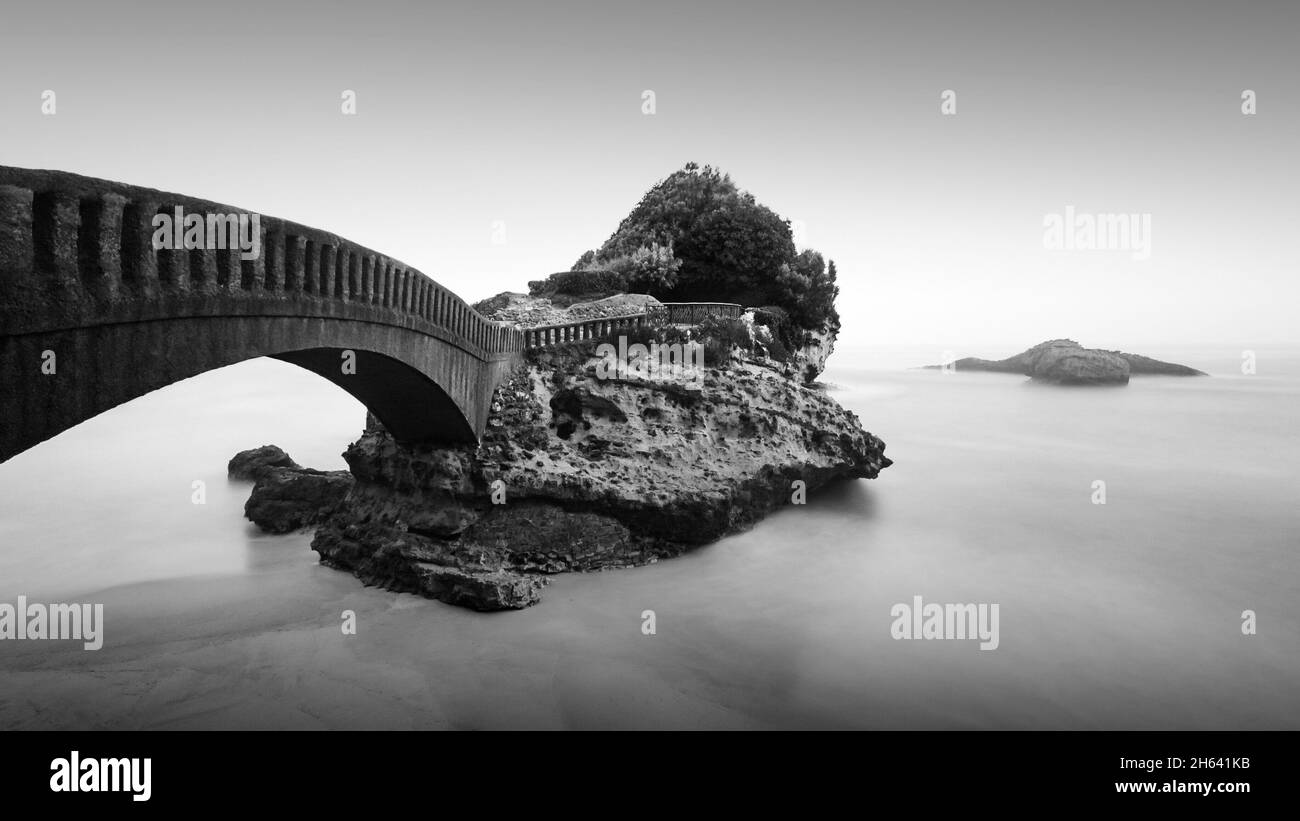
(696, 237)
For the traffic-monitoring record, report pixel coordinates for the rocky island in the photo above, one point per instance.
(1066, 362)
(583, 467)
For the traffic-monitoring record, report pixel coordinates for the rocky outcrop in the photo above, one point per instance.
(805, 362)
(810, 360)
(253, 464)
(619, 305)
(1146, 366)
(581, 473)
(535, 311)
(1066, 362)
(493, 590)
(289, 498)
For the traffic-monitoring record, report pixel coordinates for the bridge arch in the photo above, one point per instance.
(92, 315)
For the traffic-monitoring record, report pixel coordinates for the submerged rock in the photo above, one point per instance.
(1066, 362)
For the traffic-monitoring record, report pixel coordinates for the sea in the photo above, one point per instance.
(1140, 545)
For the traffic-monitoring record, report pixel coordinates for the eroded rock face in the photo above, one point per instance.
(581, 473)
(806, 362)
(1066, 362)
(493, 590)
(811, 358)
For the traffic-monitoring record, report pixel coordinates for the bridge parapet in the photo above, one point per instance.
(684, 313)
(77, 251)
(546, 335)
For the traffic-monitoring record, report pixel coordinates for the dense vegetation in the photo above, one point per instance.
(696, 237)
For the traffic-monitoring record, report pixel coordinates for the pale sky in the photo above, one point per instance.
(829, 112)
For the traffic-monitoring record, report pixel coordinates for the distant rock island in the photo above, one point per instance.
(1066, 362)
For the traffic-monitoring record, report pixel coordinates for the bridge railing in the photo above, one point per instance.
(545, 335)
(677, 313)
(73, 244)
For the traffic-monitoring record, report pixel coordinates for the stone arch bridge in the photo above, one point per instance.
(92, 315)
